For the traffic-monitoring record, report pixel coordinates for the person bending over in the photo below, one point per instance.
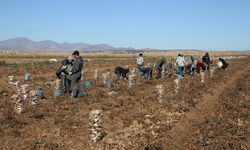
(223, 64)
(63, 71)
(159, 66)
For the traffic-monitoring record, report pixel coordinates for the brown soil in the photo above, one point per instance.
(210, 115)
(183, 131)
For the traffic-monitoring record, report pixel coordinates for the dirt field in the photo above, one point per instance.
(210, 115)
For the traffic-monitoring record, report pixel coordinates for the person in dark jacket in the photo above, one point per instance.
(64, 65)
(159, 67)
(206, 61)
(192, 59)
(121, 73)
(76, 74)
(62, 73)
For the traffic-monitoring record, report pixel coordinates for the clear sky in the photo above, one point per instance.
(161, 24)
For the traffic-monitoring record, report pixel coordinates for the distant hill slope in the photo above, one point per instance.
(21, 43)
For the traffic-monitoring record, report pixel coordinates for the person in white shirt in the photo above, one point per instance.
(140, 60)
(140, 63)
(180, 63)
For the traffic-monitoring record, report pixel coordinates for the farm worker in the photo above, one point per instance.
(200, 66)
(76, 74)
(159, 66)
(222, 64)
(206, 60)
(192, 59)
(63, 71)
(147, 73)
(63, 67)
(191, 68)
(140, 63)
(180, 63)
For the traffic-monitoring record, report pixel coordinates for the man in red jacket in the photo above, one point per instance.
(200, 66)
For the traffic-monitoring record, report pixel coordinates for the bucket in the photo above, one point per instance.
(39, 92)
(69, 68)
(87, 84)
(57, 93)
(109, 83)
(26, 77)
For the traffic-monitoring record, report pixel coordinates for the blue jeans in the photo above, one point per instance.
(140, 70)
(180, 70)
(192, 69)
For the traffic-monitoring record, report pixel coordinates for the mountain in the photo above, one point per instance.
(22, 43)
